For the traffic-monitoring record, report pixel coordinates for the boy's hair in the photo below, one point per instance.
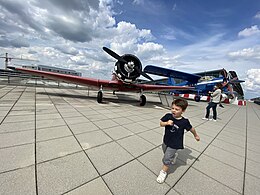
(181, 103)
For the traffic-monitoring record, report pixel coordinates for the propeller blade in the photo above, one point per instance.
(115, 55)
(146, 76)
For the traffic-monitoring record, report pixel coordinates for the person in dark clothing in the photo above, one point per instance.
(174, 124)
(215, 99)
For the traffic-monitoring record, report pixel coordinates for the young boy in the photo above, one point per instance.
(174, 124)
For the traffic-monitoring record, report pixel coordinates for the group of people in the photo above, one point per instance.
(175, 125)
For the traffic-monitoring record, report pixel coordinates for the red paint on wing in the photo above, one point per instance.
(106, 84)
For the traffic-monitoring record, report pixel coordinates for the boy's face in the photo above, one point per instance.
(176, 111)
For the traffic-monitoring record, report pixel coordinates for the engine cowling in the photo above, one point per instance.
(128, 72)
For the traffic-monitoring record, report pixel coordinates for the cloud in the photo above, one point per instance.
(252, 82)
(249, 31)
(250, 54)
(150, 50)
(257, 16)
(18, 42)
(138, 2)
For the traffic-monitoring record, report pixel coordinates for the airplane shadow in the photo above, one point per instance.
(117, 98)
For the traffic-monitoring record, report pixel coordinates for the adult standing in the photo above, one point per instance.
(215, 99)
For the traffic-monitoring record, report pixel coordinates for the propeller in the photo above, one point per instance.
(227, 82)
(144, 74)
(129, 65)
(115, 55)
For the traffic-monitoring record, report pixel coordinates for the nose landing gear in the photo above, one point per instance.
(142, 100)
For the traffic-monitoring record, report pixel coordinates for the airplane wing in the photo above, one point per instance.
(192, 78)
(115, 85)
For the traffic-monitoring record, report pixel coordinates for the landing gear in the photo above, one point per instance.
(142, 100)
(197, 98)
(99, 97)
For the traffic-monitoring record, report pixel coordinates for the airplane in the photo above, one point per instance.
(124, 78)
(203, 84)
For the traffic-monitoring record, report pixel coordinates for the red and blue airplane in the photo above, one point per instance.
(202, 84)
(126, 71)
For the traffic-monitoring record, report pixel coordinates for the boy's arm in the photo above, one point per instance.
(163, 124)
(196, 136)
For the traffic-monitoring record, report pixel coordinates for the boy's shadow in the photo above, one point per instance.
(183, 156)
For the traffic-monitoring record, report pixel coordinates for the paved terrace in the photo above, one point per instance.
(61, 141)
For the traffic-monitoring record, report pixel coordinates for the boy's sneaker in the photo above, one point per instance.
(161, 177)
(214, 120)
(205, 118)
(175, 158)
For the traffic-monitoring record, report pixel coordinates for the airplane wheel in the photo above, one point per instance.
(197, 98)
(142, 100)
(99, 97)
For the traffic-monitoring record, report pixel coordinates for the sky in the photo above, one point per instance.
(185, 35)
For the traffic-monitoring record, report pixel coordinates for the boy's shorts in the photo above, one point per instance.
(169, 154)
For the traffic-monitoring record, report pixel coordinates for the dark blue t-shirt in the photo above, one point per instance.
(173, 135)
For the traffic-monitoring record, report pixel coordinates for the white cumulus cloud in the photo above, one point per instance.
(252, 82)
(250, 54)
(257, 16)
(249, 31)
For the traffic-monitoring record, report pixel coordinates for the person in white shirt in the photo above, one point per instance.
(215, 99)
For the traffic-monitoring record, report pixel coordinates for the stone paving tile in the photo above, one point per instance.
(49, 123)
(221, 172)
(63, 174)
(118, 132)
(103, 124)
(21, 181)
(14, 126)
(92, 139)
(226, 157)
(252, 185)
(16, 157)
(193, 183)
(94, 187)
(55, 148)
(134, 179)
(135, 145)
(122, 143)
(135, 128)
(229, 147)
(83, 127)
(108, 157)
(253, 168)
(76, 120)
(51, 116)
(254, 156)
(152, 137)
(16, 138)
(52, 133)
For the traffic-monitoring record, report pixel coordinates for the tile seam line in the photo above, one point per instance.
(79, 143)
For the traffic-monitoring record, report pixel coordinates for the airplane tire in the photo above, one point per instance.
(99, 97)
(197, 98)
(142, 100)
